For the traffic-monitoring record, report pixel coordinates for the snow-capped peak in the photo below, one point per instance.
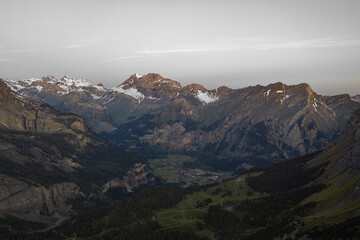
(75, 82)
(62, 86)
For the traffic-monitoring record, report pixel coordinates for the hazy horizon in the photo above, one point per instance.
(213, 43)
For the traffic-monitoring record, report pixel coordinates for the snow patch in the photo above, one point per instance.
(132, 92)
(106, 99)
(101, 88)
(138, 75)
(205, 97)
(77, 82)
(267, 93)
(284, 98)
(30, 81)
(152, 98)
(63, 92)
(39, 88)
(95, 96)
(315, 106)
(280, 91)
(14, 85)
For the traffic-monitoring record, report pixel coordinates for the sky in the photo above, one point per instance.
(235, 43)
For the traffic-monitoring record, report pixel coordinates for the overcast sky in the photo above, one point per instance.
(234, 43)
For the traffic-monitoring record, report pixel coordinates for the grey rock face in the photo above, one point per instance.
(24, 199)
(140, 174)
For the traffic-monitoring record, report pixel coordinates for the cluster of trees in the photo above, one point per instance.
(276, 208)
(348, 229)
(130, 218)
(286, 175)
(204, 203)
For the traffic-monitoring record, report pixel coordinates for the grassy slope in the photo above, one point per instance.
(334, 202)
(187, 216)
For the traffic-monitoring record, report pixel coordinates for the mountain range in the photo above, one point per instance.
(256, 125)
(55, 166)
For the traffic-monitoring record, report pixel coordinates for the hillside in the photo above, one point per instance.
(315, 196)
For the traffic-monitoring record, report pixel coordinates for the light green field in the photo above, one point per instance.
(171, 160)
(169, 169)
(186, 214)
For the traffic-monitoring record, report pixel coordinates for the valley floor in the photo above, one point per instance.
(173, 170)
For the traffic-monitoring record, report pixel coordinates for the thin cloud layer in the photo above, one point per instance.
(254, 44)
(6, 60)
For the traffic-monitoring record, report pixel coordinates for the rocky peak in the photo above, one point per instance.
(281, 92)
(200, 93)
(61, 86)
(223, 90)
(74, 82)
(48, 78)
(151, 85)
(278, 86)
(194, 87)
(150, 81)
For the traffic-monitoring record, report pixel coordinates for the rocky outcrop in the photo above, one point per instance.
(140, 174)
(24, 199)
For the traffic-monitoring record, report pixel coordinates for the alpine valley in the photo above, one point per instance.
(151, 159)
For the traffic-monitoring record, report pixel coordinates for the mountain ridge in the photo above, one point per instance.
(154, 112)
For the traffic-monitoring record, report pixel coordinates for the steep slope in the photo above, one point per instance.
(48, 158)
(332, 210)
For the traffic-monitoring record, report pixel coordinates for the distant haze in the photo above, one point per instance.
(234, 43)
